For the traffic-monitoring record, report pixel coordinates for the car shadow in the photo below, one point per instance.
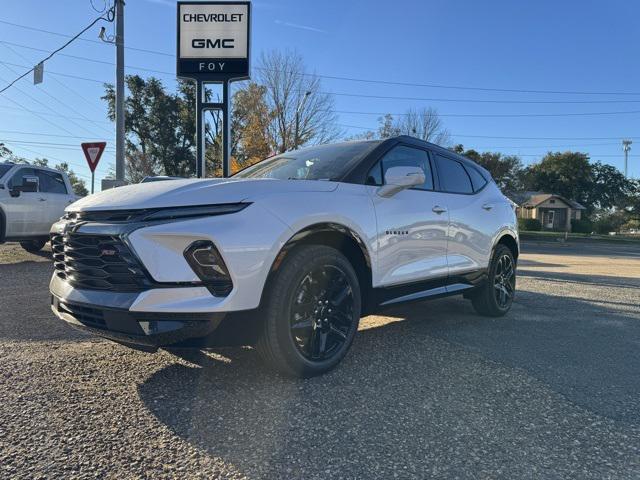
(523, 262)
(582, 279)
(407, 388)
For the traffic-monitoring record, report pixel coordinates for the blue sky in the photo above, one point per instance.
(551, 46)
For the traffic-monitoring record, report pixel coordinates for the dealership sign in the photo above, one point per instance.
(213, 40)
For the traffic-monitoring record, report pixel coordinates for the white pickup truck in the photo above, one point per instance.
(31, 199)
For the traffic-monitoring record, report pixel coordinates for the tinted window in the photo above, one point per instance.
(453, 177)
(409, 157)
(16, 180)
(322, 162)
(4, 169)
(477, 179)
(51, 182)
(374, 177)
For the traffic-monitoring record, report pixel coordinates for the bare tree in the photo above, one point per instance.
(424, 124)
(301, 112)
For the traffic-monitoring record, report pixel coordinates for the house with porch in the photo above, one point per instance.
(554, 211)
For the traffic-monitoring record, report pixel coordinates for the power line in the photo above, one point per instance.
(470, 100)
(74, 92)
(49, 108)
(34, 29)
(367, 80)
(38, 113)
(77, 77)
(497, 115)
(39, 134)
(463, 115)
(28, 142)
(96, 20)
(88, 59)
(502, 137)
(56, 159)
(347, 94)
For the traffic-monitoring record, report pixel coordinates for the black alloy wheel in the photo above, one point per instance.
(311, 311)
(495, 297)
(504, 281)
(322, 313)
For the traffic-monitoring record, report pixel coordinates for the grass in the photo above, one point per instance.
(526, 235)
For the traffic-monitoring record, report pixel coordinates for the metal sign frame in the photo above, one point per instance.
(240, 67)
(242, 72)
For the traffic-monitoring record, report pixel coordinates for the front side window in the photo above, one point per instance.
(4, 169)
(402, 156)
(16, 180)
(51, 182)
(453, 177)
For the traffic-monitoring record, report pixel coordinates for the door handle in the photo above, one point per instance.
(487, 206)
(438, 209)
(42, 199)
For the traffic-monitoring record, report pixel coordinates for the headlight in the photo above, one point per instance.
(196, 211)
(205, 260)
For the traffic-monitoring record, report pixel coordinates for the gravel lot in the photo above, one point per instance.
(430, 391)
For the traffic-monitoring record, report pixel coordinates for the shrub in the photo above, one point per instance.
(611, 222)
(584, 225)
(633, 224)
(529, 224)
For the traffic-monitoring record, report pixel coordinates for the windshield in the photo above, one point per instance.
(4, 168)
(322, 162)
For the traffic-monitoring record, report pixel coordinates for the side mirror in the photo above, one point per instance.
(400, 178)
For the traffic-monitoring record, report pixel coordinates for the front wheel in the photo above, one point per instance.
(496, 297)
(312, 312)
(33, 246)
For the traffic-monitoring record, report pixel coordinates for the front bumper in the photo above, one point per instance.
(107, 314)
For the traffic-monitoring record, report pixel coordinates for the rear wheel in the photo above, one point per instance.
(312, 312)
(496, 297)
(33, 246)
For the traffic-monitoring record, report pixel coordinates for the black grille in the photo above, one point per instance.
(87, 315)
(97, 262)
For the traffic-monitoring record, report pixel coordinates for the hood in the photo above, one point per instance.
(189, 192)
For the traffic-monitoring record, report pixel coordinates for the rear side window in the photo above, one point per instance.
(453, 177)
(51, 182)
(477, 179)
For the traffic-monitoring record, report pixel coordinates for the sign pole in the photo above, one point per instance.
(213, 46)
(200, 160)
(226, 133)
(93, 181)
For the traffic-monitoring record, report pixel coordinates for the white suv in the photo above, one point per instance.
(31, 200)
(305, 242)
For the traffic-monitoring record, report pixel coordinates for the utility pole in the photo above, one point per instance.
(119, 90)
(626, 146)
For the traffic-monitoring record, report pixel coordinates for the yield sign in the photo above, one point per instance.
(93, 152)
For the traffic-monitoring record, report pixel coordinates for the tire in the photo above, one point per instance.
(495, 298)
(33, 246)
(312, 312)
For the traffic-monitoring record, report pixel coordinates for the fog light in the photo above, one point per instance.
(205, 260)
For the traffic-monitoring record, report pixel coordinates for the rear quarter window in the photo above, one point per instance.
(477, 180)
(453, 176)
